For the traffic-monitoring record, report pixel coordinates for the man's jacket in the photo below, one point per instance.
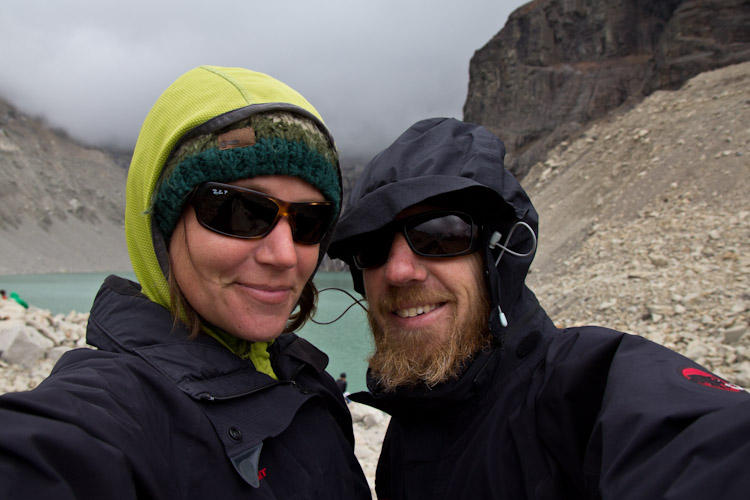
(577, 413)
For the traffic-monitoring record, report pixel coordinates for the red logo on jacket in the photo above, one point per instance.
(702, 377)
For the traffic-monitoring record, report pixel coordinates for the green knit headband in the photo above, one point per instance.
(285, 146)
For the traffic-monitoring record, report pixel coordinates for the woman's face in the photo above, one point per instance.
(246, 287)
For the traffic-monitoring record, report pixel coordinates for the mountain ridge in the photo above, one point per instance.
(63, 204)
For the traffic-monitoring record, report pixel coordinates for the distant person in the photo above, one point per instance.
(489, 400)
(2, 293)
(19, 300)
(198, 388)
(341, 382)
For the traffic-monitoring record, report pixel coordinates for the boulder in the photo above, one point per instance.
(23, 345)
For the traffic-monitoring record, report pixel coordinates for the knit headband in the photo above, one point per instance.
(265, 144)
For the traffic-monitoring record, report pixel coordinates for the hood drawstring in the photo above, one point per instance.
(494, 242)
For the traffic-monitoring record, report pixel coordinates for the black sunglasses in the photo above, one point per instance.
(244, 213)
(431, 234)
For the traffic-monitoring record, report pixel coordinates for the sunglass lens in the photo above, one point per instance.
(441, 236)
(432, 235)
(311, 222)
(236, 213)
(374, 251)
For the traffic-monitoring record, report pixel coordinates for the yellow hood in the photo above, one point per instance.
(223, 96)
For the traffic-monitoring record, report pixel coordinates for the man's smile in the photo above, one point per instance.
(415, 311)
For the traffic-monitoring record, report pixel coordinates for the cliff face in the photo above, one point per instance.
(559, 64)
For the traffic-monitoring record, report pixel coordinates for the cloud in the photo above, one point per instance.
(94, 68)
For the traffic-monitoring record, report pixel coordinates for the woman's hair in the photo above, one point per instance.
(184, 313)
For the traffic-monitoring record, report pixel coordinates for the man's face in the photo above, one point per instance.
(427, 315)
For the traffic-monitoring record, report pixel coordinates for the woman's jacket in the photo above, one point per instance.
(153, 415)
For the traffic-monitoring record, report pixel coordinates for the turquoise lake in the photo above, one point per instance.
(346, 341)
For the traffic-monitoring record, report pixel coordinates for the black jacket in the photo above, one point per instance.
(573, 414)
(544, 413)
(152, 415)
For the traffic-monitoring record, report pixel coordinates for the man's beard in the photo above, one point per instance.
(416, 357)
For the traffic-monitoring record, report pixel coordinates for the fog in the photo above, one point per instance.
(370, 68)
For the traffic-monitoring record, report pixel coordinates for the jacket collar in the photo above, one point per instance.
(420, 401)
(124, 320)
(515, 347)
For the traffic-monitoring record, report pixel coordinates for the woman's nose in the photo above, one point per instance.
(277, 247)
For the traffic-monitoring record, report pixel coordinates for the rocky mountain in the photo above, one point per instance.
(61, 204)
(557, 64)
(645, 222)
(551, 74)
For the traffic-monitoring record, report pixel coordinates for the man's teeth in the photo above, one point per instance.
(415, 311)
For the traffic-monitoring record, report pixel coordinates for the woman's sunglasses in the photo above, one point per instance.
(431, 234)
(244, 213)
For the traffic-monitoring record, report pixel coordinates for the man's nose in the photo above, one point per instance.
(403, 265)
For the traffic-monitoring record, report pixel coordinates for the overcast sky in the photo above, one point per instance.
(371, 68)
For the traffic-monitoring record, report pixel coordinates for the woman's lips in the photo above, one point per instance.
(266, 293)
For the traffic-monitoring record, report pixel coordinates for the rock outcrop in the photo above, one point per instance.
(559, 64)
(32, 340)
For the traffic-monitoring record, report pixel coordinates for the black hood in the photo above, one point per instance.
(444, 157)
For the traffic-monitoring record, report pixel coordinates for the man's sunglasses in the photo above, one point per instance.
(431, 234)
(244, 213)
